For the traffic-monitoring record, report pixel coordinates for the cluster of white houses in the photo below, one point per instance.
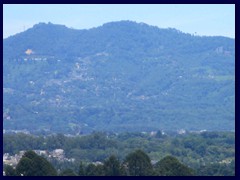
(55, 154)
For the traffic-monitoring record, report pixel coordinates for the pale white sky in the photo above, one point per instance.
(208, 19)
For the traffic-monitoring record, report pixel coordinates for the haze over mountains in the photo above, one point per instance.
(122, 76)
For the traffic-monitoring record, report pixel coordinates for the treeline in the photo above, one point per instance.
(136, 163)
(208, 153)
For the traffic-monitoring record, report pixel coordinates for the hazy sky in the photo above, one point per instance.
(206, 19)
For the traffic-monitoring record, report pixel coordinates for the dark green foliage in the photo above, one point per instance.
(192, 149)
(25, 167)
(63, 165)
(122, 76)
(10, 171)
(94, 170)
(30, 155)
(81, 171)
(15, 143)
(68, 172)
(99, 170)
(138, 164)
(91, 170)
(217, 169)
(170, 166)
(112, 167)
(208, 153)
(33, 165)
(159, 134)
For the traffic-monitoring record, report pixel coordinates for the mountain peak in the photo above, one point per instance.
(49, 24)
(127, 23)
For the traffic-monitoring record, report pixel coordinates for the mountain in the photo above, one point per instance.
(121, 76)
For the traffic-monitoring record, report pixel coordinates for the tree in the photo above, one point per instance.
(10, 171)
(138, 164)
(94, 170)
(217, 169)
(33, 165)
(112, 166)
(25, 167)
(82, 171)
(99, 170)
(68, 172)
(170, 166)
(159, 134)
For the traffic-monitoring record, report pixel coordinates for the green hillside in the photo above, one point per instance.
(121, 76)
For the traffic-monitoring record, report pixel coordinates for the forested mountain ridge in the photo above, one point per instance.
(121, 76)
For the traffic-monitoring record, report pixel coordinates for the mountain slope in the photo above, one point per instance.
(122, 76)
